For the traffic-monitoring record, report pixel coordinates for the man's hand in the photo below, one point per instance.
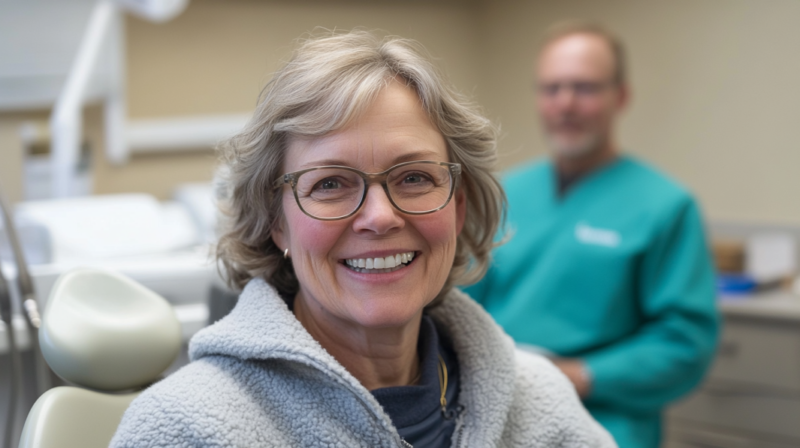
(577, 373)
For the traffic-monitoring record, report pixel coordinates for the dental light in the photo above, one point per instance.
(155, 10)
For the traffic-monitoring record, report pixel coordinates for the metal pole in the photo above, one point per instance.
(115, 110)
(66, 121)
(15, 371)
(28, 298)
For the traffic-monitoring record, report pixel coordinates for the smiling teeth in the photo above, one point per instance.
(382, 263)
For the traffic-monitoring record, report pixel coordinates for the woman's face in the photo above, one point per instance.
(392, 130)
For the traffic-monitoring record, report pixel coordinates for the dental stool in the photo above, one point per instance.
(108, 335)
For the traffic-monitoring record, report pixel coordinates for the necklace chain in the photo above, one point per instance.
(443, 384)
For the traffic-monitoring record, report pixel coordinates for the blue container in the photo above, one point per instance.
(734, 284)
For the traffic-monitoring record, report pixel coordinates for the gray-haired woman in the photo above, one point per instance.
(360, 193)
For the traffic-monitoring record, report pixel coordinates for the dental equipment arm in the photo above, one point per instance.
(15, 371)
(23, 277)
(28, 298)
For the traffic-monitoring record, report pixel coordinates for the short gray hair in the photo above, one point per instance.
(328, 82)
(614, 43)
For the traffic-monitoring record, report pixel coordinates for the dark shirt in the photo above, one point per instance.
(566, 181)
(416, 410)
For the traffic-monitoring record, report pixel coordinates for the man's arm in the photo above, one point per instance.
(671, 352)
(578, 374)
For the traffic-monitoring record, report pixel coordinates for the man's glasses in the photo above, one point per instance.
(581, 89)
(337, 192)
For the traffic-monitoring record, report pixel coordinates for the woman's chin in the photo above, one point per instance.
(387, 317)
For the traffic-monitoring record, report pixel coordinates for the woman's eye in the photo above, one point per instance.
(415, 178)
(328, 184)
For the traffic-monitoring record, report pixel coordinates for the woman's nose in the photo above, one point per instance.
(377, 214)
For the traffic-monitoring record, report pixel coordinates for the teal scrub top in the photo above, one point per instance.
(616, 272)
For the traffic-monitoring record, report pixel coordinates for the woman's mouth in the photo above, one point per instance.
(380, 265)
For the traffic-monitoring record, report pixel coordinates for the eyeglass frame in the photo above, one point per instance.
(454, 170)
(581, 89)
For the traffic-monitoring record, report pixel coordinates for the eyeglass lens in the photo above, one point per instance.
(580, 88)
(335, 192)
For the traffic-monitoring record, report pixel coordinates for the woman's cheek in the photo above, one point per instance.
(311, 241)
(439, 228)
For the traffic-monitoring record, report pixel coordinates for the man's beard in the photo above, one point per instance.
(574, 149)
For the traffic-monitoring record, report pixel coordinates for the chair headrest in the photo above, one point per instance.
(104, 331)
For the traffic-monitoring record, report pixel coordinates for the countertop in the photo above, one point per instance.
(778, 305)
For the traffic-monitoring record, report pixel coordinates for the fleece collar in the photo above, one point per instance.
(262, 327)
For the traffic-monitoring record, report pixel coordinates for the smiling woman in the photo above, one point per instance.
(361, 192)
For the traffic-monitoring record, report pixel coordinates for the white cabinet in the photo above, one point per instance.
(751, 397)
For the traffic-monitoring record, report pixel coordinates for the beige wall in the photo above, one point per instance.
(10, 155)
(216, 57)
(716, 96)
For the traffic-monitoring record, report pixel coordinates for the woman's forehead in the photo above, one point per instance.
(369, 157)
(395, 127)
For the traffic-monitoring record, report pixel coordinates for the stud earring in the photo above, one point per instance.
(286, 254)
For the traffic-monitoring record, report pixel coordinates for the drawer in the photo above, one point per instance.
(701, 437)
(737, 408)
(759, 352)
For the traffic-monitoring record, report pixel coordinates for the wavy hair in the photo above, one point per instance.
(328, 82)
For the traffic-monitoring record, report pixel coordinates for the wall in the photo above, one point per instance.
(715, 96)
(10, 159)
(216, 57)
(715, 82)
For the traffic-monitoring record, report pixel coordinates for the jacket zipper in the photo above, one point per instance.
(459, 432)
(371, 411)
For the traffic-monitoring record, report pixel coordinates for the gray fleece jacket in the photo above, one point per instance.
(258, 379)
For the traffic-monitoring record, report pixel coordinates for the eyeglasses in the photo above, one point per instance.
(337, 192)
(581, 89)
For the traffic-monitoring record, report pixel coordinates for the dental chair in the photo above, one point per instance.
(111, 338)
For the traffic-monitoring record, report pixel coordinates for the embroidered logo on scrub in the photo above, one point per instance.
(599, 237)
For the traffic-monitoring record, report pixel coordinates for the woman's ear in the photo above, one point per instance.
(461, 210)
(278, 235)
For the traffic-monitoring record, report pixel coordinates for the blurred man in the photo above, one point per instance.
(607, 267)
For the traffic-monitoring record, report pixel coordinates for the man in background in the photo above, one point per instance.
(607, 267)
